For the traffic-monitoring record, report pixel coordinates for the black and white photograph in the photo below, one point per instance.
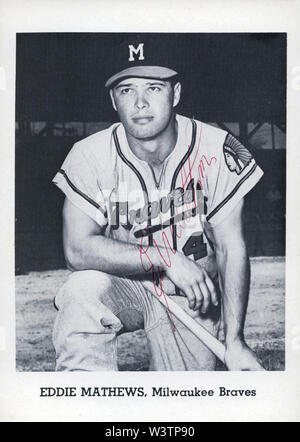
(150, 201)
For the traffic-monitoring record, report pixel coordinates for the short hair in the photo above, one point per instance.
(173, 81)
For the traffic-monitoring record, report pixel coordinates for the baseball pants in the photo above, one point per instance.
(95, 307)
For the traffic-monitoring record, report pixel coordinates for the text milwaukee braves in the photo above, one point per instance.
(158, 391)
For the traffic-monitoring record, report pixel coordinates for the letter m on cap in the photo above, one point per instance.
(136, 51)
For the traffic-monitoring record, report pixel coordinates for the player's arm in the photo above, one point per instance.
(86, 247)
(234, 276)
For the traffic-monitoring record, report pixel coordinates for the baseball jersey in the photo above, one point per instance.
(202, 180)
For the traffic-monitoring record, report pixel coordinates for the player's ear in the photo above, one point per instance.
(111, 93)
(177, 93)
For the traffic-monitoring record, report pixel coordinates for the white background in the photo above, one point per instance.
(278, 393)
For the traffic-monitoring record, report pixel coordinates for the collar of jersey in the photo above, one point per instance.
(181, 146)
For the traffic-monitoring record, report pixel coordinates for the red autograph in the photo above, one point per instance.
(157, 274)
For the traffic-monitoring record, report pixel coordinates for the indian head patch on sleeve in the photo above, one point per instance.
(237, 157)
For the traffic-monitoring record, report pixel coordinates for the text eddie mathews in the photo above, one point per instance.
(141, 392)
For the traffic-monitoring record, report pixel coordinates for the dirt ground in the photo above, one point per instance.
(35, 315)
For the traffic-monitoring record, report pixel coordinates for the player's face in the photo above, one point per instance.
(145, 106)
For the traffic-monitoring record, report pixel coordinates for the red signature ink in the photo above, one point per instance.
(157, 274)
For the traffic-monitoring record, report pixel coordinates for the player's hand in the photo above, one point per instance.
(239, 357)
(194, 281)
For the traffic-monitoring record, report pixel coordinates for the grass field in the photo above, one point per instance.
(35, 315)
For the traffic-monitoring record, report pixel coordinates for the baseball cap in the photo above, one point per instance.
(141, 56)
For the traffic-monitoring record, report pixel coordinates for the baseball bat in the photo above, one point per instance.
(212, 343)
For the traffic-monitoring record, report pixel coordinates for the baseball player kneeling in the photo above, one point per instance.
(153, 206)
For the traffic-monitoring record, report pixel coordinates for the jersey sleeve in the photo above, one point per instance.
(78, 180)
(233, 175)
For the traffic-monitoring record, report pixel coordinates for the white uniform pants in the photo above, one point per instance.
(94, 308)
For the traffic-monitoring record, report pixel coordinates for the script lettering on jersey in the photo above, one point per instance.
(199, 202)
(122, 215)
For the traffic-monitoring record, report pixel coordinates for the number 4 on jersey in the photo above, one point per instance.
(195, 246)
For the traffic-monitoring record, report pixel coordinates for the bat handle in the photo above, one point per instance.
(212, 343)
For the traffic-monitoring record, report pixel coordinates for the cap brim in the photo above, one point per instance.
(158, 72)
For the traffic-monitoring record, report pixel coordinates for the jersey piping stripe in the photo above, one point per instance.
(213, 212)
(129, 164)
(137, 173)
(87, 198)
(173, 184)
(177, 170)
(187, 154)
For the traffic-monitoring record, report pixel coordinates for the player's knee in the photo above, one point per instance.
(83, 285)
